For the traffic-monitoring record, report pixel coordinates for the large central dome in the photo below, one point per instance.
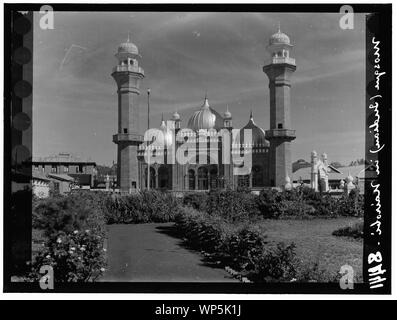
(205, 118)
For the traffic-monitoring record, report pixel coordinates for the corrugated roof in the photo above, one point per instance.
(62, 157)
(81, 178)
(61, 176)
(355, 171)
(40, 176)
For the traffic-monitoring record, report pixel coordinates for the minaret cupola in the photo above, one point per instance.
(227, 118)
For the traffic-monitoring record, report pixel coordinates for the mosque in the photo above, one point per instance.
(270, 150)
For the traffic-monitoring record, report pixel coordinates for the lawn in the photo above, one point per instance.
(315, 242)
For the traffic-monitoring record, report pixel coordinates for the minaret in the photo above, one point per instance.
(227, 119)
(177, 120)
(128, 75)
(279, 70)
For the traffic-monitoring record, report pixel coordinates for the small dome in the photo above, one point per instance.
(205, 118)
(349, 178)
(163, 136)
(128, 47)
(127, 50)
(258, 135)
(227, 114)
(176, 116)
(279, 38)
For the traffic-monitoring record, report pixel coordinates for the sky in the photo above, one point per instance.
(186, 54)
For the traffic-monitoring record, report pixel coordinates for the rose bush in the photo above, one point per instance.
(75, 257)
(74, 231)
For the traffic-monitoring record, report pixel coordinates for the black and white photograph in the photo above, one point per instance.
(197, 148)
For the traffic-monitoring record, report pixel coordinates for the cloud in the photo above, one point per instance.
(184, 54)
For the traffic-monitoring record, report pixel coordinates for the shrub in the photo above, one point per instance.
(295, 209)
(202, 231)
(75, 257)
(351, 204)
(304, 202)
(244, 247)
(232, 205)
(274, 263)
(355, 231)
(68, 213)
(240, 245)
(311, 272)
(141, 207)
(269, 203)
(74, 253)
(196, 200)
(288, 204)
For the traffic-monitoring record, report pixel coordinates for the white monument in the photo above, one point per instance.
(107, 182)
(349, 185)
(288, 184)
(319, 172)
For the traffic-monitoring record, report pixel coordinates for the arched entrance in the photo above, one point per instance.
(152, 178)
(257, 176)
(164, 177)
(192, 179)
(203, 178)
(213, 176)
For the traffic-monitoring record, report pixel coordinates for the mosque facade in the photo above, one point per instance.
(213, 152)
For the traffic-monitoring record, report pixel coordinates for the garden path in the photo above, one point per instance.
(150, 252)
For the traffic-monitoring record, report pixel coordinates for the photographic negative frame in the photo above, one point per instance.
(19, 109)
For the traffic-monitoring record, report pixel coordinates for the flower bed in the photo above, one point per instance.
(74, 234)
(242, 247)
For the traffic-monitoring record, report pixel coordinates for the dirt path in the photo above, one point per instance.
(149, 252)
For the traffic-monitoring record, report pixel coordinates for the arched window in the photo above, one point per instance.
(203, 178)
(192, 179)
(152, 178)
(257, 176)
(164, 177)
(213, 176)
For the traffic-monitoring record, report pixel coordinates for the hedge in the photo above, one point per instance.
(246, 249)
(242, 247)
(141, 207)
(299, 203)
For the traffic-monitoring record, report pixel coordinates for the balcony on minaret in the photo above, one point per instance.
(132, 138)
(285, 134)
(128, 67)
(280, 60)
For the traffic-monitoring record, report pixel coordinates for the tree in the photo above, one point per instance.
(359, 162)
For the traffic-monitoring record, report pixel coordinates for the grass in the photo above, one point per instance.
(315, 242)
